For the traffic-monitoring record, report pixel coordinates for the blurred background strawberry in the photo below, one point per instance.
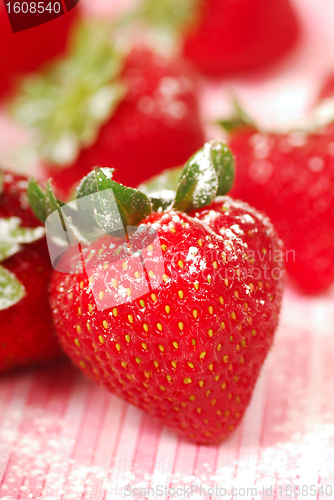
(231, 36)
(28, 50)
(26, 333)
(227, 36)
(135, 111)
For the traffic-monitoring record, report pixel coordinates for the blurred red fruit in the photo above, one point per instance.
(26, 329)
(240, 35)
(25, 51)
(156, 126)
(291, 178)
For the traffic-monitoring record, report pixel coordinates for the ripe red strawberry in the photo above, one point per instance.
(150, 120)
(26, 334)
(27, 50)
(291, 178)
(233, 36)
(178, 317)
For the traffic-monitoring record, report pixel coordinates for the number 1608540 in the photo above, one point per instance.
(33, 7)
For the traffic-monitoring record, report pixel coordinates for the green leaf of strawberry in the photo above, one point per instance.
(186, 182)
(12, 235)
(162, 199)
(11, 290)
(223, 163)
(239, 119)
(51, 202)
(198, 184)
(131, 205)
(89, 184)
(113, 206)
(208, 173)
(36, 197)
(7, 249)
(43, 203)
(170, 14)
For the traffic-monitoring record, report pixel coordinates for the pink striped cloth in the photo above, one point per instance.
(64, 438)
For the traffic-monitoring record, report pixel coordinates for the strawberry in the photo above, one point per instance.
(176, 312)
(27, 50)
(26, 334)
(146, 112)
(290, 176)
(228, 36)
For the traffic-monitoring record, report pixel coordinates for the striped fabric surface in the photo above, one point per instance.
(62, 437)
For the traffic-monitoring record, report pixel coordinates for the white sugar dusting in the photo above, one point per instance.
(194, 259)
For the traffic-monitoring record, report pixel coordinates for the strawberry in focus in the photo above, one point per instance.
(25, 51)
(291, 178)
(137, 112)
(26, 334)
(177, 317)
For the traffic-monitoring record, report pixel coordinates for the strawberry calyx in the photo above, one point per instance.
(239, 119)
(13, 236)
(320, 117)
(172, 15)
(132, 205)
(164, 22)
(68, 103)
(43, 203)
(102, 205)
(208, 173)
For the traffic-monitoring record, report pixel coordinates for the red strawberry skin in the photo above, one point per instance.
(241, 35)
(291, 178)
(25, 51)
(189, 350)
(26, 334)
(156, 126)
